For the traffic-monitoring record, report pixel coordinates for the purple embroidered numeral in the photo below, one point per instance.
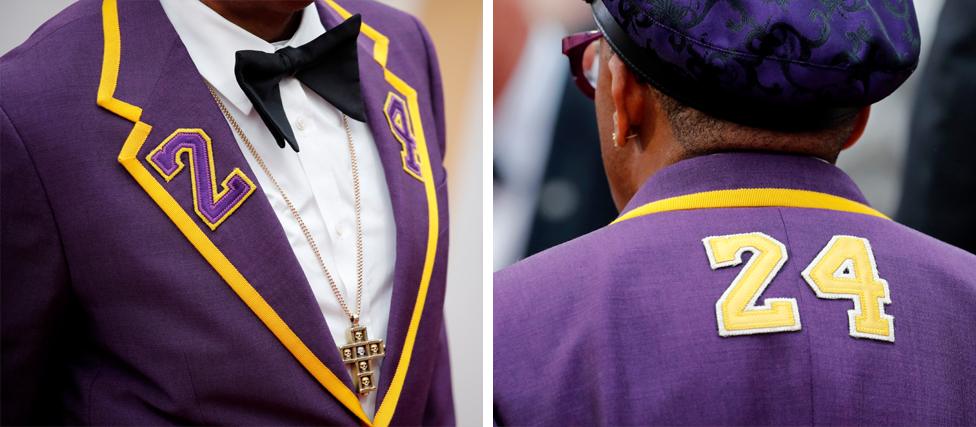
(211, 205)
(398, 117)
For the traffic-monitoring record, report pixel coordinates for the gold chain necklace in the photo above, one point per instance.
(359, 351)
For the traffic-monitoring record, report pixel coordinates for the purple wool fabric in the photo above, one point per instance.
(618, 327)
(110, 316)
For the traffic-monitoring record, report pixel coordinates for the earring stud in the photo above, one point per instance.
(616, 141)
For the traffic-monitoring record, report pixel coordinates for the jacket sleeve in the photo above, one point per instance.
(33, 289)
(440, 401)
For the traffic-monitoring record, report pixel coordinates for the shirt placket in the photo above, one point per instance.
(326, 171)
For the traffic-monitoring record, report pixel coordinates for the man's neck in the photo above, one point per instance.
(267, 23)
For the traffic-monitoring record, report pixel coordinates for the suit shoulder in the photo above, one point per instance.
(571, 270)
(375, 9)
(388, 20)
(410, 47)
(548, 265)
(73, 27)
(935, 255)
(60, 57)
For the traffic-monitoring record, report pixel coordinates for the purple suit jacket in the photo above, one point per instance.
(130, 297)
(620, 326)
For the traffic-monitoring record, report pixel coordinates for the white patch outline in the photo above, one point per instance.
(751, 306)
(852, 314)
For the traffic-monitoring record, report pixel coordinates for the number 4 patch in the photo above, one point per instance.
(844, 269)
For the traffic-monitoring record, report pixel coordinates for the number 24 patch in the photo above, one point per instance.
(844, 269)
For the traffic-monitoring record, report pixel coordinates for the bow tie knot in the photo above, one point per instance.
(329, 65)
(290, 59)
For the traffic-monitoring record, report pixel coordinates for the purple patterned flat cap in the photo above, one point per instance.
(781, 64)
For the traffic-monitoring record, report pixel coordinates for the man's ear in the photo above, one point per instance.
(628, 100)
(859, 125)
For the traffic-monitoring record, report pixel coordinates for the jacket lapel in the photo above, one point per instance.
(407, 195)
(184, 155)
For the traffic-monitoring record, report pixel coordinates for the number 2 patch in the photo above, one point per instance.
(844, 269)
(212, 204)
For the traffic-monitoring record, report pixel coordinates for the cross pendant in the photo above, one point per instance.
(360, 352)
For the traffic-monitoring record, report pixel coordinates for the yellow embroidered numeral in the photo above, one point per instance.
(737, 311)
(845, 268)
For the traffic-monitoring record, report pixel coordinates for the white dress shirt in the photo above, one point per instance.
(318, 179)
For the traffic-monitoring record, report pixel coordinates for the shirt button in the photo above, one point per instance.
(300, 124)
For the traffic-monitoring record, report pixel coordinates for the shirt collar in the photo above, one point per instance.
(727, 171)
(212, 42)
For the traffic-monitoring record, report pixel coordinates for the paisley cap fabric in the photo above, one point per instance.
(789, 65)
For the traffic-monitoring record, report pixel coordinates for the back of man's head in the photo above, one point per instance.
(699, 133)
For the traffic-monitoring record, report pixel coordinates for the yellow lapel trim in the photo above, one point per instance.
(752, 198)
(380, 50)
(244, 290)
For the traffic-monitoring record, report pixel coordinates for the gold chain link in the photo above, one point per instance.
(353, 316)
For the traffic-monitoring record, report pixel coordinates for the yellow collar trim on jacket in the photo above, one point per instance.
(384, 414)
(240, 285)
(752, 198)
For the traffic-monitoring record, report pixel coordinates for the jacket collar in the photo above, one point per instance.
(741, 170)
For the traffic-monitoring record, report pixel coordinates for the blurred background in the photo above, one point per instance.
(455, 27)
(544, 196)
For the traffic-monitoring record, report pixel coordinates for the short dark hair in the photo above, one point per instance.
(699, 133)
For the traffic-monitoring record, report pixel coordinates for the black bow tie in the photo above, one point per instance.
(329, 65)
